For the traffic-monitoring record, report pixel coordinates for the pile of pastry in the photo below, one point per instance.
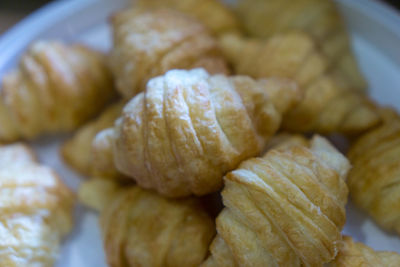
(201, 133)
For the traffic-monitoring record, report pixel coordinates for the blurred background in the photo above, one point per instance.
(12, 11)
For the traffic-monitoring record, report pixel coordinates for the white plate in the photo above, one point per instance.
(375, 29)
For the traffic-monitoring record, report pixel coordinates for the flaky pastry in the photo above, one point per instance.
(102, 156)
(77, 151)
(147, 43)
(374, 180)
(284, 209)
(284, 140)
(141, 228)
(319, 18)
(327, 105)
(188, 129)
(36, 209)
(55, 88)
(354, 254)
(212, 13)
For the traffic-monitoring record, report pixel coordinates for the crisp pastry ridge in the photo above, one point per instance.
(77, 151)
(327, 106)
(320, 19)
(141, 228)
(212, 13)
(284, 209)
(36, 209)
(374, 180)
(149, 42)
(55, 88)
(188, 129)
(355, 254)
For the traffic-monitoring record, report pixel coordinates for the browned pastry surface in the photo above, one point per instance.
(147, 43)
(55, 88)
(188, 129)
(284, 209)
(354, 254)
(327, 106)
(212, 13)
(102, 156)
(374, 180)
(319, 18)
(77, 151)
(141, 228)
(35, 209)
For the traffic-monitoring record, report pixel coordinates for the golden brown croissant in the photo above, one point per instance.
(354, 254)
(141, 228)
(77, 151)
(284, 209)
(36, 209)
(374, 180)
(55, 88)
(327, 105)
(212, 13)
(319, 18)
(147, 43)
(188, 129)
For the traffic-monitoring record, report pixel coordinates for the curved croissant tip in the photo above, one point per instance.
(102, 136)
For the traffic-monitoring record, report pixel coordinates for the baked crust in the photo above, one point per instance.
(36, 209)
(212, 13)
(188, 129)
(55, 88)
(141, 228)
(328, 105)
(147, 43)
(318, 18)
(374, 180)
(77, 151)
(284, 209)
(354, 254)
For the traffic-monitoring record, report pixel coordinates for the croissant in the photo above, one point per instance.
(141, 228)
(77, 151)
(284, 209)
(56, 88)
(147, 43)
(188, 129)
(36, 209)
(319, 18)
(354, 254)
(212, 13)
(327, 106)
(374, 180)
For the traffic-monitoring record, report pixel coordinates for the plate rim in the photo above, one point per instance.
(381, 11)
(32, 25)
(26, 30)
